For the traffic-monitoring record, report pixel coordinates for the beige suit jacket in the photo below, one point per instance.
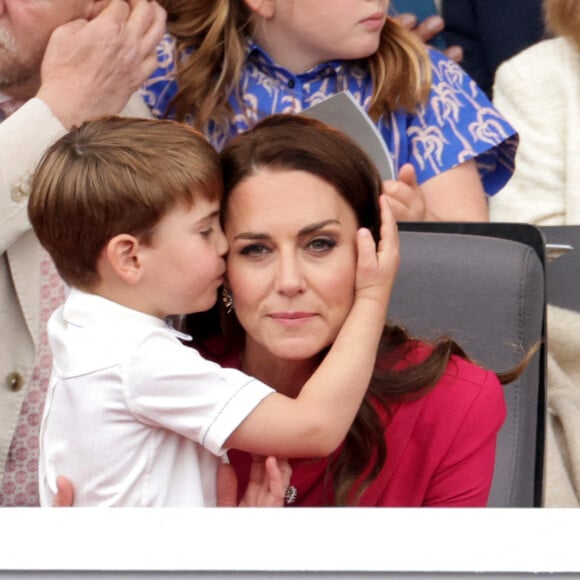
(23, 139)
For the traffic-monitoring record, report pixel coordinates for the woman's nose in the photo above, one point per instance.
(289, 276)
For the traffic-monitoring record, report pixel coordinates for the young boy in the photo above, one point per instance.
(129, 211)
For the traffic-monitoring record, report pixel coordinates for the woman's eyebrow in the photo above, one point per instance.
(252, 236)
(318, 226)
(310, 228)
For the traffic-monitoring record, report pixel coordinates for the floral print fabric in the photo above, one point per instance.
(457, 123)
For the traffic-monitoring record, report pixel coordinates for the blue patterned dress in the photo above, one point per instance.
(457, 123)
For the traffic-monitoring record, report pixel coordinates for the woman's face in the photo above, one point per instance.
(291, 263)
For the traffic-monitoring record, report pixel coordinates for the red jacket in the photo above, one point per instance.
(440, 448)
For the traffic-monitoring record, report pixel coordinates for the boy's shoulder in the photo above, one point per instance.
(89, 333)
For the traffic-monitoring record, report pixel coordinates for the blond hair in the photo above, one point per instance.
(563, 18)
(112, 176)
(211, 42)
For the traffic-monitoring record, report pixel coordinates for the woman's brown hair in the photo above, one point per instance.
(211, 42)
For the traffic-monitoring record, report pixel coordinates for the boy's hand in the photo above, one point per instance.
(377, 267)
(269, 479)
(406, 197)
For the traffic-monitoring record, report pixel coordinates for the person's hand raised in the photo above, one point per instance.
(91, 68)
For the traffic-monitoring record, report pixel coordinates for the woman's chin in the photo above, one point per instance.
(293, 350)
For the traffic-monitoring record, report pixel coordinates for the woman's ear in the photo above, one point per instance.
(123, 256)
(263, 8)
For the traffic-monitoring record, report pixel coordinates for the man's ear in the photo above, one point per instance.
(96, 8)
(123, 255)
(263, 8)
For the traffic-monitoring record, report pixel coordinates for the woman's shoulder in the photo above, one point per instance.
(463, 410)
(462, 383)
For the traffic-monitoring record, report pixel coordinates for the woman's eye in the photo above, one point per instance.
(321, 244)
(254, 250)
(206, 233)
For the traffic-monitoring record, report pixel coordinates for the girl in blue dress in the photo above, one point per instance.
(226, 64)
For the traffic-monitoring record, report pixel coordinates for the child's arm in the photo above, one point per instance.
(316, 422)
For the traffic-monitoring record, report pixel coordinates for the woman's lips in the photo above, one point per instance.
(292, 318)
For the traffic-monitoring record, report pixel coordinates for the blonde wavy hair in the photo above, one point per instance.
(211, 39)
(563, 18)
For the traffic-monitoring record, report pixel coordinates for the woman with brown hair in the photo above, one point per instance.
(425, 435)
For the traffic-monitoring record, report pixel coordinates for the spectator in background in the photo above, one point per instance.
(490, 31)
(479, 34)
(539, 90)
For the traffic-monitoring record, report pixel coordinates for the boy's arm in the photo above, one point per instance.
(316, 422)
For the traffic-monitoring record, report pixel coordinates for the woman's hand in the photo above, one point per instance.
(269, 480)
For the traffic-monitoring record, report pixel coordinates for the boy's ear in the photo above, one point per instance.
(122, 254)
(263, 8)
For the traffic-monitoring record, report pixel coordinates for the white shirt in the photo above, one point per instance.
(133, 417)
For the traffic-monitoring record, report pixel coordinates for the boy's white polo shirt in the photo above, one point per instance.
(134, 417)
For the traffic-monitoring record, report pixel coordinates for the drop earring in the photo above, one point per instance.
(227, 300)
